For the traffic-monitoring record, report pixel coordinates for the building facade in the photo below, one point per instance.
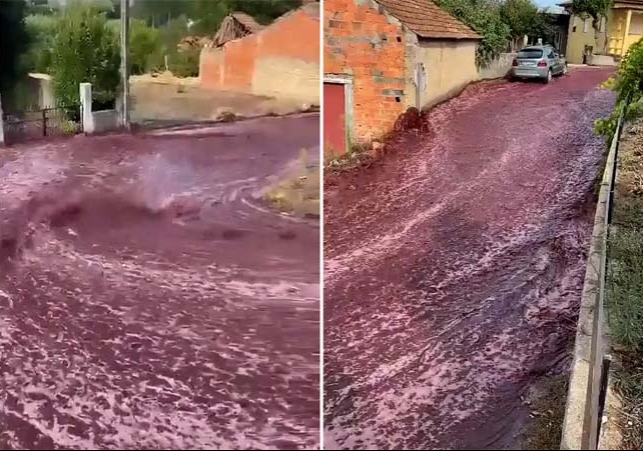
(383, 56)
(622, 27)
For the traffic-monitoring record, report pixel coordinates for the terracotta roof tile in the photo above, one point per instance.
(427, 20)
(247, 21)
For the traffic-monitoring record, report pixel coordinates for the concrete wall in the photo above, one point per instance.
(498, 68)
(450, 65)
(96, 121)
(581, 33)
(105, 120)
(40, 92)
(281, 61)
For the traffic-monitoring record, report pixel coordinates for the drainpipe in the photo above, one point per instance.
(418, 81)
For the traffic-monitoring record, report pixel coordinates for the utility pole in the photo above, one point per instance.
(125, 63)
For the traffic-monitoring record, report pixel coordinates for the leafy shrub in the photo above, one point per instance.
(144, 46)
(84, 50)
(628, 85)
(483, 16)
(185, 63)
(629, 77)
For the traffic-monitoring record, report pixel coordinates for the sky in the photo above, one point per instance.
(547, 2)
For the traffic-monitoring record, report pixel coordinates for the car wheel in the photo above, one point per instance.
(549, 76)
(565, 70)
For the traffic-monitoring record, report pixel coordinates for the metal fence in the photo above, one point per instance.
(23, 126)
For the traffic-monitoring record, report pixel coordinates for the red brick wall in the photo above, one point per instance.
(210, 67)
(239, 63)
(354, 44)
(294, 37)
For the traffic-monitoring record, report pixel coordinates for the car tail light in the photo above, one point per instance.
(515, 63)
(542, 63)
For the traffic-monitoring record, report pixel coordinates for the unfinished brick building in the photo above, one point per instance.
(383, 56)
(280, 60)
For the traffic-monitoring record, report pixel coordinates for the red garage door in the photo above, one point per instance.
(334, 118)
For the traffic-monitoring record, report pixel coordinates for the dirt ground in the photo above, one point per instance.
(151, 299)
(623, 299)
(170, 100)
(297, 191)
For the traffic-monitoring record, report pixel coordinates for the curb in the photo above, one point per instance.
(583, 408)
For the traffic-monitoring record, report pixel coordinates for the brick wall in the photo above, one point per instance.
(282, 60)
(364, 42)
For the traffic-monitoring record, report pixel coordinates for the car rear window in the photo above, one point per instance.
(530, 53)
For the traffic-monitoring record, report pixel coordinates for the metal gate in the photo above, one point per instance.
(20, 126)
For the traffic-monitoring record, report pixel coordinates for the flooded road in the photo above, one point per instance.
(149, 300)
(454, 267)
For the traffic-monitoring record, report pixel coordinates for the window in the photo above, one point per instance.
(636, 24)
(586, 25)
(530, 54)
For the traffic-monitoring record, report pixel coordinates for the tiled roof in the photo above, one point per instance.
(427, 20)
(247, 21)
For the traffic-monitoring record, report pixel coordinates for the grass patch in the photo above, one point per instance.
(357, 155)
(298, 192)
(625, 289)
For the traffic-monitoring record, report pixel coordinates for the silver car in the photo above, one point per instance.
(541, 62)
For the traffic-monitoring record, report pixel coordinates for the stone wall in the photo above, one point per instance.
(498, 68)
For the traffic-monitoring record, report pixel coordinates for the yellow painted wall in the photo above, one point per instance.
(584, 35)
(636, 31)
(450, 65)
(616, 31)
(618, 42)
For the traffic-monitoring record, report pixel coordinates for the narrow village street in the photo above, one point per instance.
(454, 267)
(150, 299)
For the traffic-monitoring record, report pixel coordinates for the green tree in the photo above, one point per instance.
(84, 50)
(264, 11)
(41, 30)
(159, 12)
(522, 17)
(484, 17)
(597, 10)
(208, 14)
(13, 42)
(145, 45)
